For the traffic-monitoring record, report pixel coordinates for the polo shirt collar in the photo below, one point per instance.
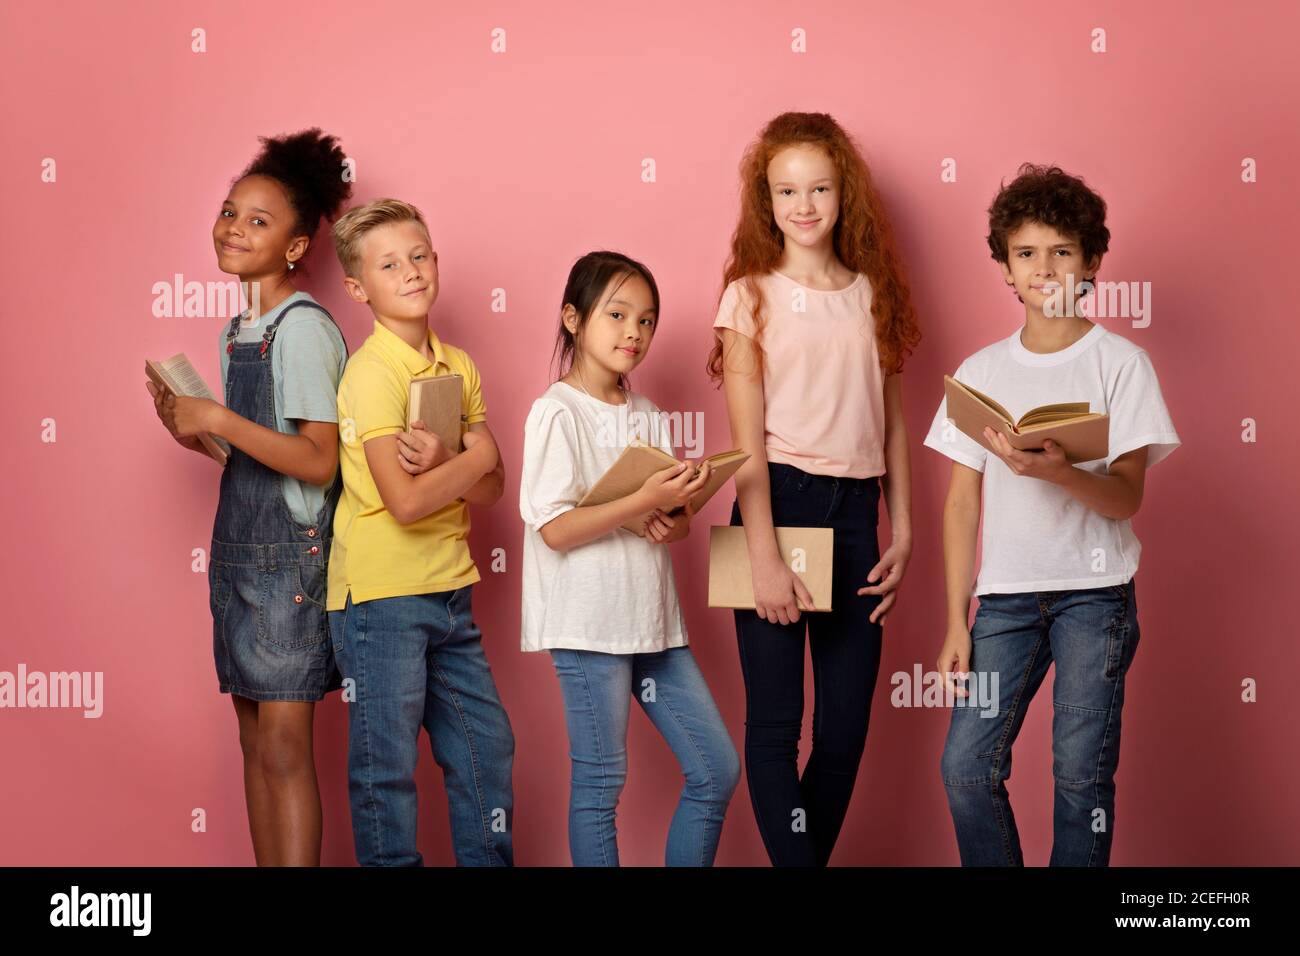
(414, 361)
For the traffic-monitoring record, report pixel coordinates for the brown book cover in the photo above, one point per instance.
(638, 462)
(809, 551)
(1084, 435)
(436, 401)
(178, 376)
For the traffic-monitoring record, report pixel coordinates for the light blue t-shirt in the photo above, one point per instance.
(307, 362)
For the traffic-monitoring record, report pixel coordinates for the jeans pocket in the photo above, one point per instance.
(1120, 639)
(218, 590)
(287, 617)
(312, 582)
(787, 474)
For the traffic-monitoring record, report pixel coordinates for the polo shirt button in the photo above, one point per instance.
(311, 532)
(297, 599)
(314, 550)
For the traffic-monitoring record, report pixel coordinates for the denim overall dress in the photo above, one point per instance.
(266, 571)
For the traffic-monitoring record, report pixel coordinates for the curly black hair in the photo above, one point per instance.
(309, 165)
(1049, 195)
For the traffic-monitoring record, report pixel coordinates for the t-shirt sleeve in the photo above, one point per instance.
(225, 362)
(314, 356)
(549, 484)
(946, 438)
(375, 399)
(475, 405)
(735, 311)
(1137, 411)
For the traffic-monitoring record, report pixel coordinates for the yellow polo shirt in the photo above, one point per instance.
(372, 555)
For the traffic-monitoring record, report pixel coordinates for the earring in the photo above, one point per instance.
(291, 267)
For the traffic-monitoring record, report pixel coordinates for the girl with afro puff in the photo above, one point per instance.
(281, 361)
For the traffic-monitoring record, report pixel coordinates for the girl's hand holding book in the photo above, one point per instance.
(189, 416)
(778, 592)
(164, 408)
(665, 529)
(673, 487)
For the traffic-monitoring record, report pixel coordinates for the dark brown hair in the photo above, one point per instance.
(1049, 195)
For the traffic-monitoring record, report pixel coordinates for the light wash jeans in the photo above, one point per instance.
(668, 685)
(418, 661)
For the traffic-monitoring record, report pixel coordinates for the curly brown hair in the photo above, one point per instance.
(1049, 195)
(863, 238)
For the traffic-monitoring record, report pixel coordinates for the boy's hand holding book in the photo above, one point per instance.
(420, 450)
(1050, 464)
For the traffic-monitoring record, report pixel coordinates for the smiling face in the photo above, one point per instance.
(399, 271)
(254, 231)
(617, 335)
(1038, 261)
(805, 191)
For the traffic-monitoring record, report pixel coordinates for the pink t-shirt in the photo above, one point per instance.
(823, 390)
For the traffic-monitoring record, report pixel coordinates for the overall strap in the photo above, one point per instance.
(233, 332)
(269, 335)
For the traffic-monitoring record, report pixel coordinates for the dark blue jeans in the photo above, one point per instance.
(799, 818)
(1091, 635)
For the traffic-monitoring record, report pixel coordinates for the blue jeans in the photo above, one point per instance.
(419, 661)
(671, 690)
(1091, 635)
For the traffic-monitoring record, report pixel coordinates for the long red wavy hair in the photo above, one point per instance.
(863, 239)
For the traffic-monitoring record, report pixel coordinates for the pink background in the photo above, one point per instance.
(522, 162)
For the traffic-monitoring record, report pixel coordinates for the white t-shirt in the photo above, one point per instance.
(1038, 537)
(615, 594)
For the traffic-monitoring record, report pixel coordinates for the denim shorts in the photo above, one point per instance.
(270, 635)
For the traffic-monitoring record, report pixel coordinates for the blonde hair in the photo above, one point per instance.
(353, 225)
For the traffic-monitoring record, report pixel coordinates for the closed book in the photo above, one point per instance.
(436, 401)
(808, 551)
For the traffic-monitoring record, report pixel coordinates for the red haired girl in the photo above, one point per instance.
(813, 325)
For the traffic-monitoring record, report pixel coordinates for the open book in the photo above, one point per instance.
(638, 462)
(808, 551)
(435, 400)
(178, 376)
(1084, 435)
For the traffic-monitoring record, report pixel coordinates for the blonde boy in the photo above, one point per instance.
(400, 573)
